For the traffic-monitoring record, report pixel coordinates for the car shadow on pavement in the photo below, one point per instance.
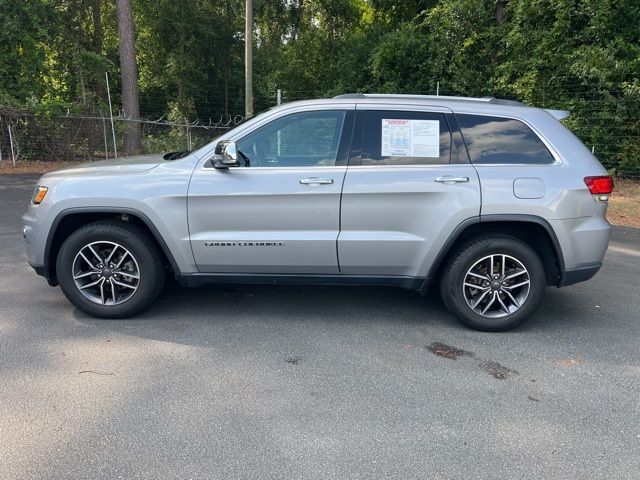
(267, 309)
(200, 316)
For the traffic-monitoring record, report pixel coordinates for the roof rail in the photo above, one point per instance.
(494, 100)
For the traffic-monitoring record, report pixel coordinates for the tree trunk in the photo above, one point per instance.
(226, 92)
(129, 76)
(98, 38)
(97, 26)
(181, 101)
(499, 11)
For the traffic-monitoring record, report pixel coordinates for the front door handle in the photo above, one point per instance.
(448, 179)
(316, 181)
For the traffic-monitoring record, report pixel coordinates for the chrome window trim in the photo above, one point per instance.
(272, 169)
(413, 167)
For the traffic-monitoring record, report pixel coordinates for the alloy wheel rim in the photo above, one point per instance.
(105, 273)
(496, 286)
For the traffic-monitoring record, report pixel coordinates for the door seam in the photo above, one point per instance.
(344, 178)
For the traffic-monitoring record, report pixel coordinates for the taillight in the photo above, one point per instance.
(601, 186)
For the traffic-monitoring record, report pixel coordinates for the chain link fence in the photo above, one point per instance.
(25, 136)
(606, 120)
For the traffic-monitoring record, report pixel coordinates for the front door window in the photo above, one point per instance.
(305, 139)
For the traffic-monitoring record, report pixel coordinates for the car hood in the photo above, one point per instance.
(126, 165)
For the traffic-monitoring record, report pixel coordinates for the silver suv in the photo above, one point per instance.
(492, 199)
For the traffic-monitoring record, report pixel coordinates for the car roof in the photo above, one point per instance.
(477, 105)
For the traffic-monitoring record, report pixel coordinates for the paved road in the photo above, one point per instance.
(326, 383)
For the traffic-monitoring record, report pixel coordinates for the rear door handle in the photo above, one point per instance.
(316, 181)
(451, 179)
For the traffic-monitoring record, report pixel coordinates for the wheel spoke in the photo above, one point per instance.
(92, 284)
(102, 291)
(515, 302)
(477, 287)
(502, 305)
(120, 284)
(127, 274)
(504, 260)
(521, 284)
(486, 307)
(124, 255)
(95, 254)
(514, 275)
(94, 267)
(481, 277)
(82, 275)
(491, 266)
(113, 292)
(479, 299)
(111, 254)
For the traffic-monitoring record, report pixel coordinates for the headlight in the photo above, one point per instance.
(38, 194)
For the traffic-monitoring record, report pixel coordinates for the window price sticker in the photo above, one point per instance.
(410, 138)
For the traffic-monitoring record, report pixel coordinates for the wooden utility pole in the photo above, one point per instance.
(129, 75)
(248, 61)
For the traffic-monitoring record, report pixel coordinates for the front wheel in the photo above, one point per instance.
(110, 269)
(493, 283)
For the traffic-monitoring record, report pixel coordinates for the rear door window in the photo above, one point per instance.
(502, 140)
(405, 138)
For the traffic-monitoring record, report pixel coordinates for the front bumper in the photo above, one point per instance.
(44, 271)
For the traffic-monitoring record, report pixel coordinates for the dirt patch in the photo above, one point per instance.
(497, 370)
(26, 166)
(447, 351)
(624, 203)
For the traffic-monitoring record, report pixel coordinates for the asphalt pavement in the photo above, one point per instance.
(310, 382)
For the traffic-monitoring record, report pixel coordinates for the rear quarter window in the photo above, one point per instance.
(502, 140)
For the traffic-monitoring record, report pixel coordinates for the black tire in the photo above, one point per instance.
(455, 271)
(133, 238)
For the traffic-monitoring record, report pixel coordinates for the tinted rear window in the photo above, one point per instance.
(502, 140)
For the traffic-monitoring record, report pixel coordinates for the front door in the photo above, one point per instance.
(408, 185)
(279, 212)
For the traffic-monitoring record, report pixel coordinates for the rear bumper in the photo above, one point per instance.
(577, 275)
(583, 242)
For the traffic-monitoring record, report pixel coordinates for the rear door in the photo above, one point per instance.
(407, 187)
(277, 213)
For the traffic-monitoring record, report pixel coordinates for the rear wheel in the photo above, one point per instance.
(110, 269)
(493, 283)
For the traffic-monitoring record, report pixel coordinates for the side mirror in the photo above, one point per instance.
(225, 155)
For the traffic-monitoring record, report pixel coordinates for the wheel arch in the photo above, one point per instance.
(533, 230)
(71, 219)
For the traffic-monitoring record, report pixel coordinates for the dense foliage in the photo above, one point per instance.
(581, 55)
